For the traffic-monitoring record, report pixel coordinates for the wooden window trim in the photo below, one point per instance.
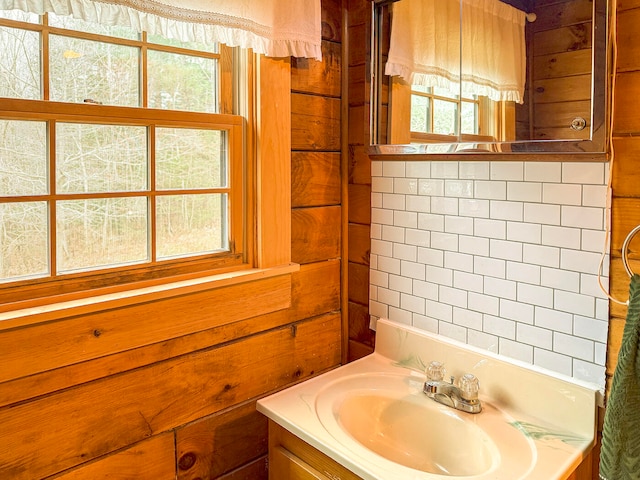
(268, 203)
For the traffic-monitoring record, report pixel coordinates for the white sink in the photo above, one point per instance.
(372, 417)
(390, 416)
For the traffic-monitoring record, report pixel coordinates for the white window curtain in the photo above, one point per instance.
(425, 46)
(277, 28)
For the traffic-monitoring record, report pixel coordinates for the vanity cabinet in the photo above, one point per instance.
(293, 459)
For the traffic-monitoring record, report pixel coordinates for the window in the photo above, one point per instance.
(120, 158)
(436, 110)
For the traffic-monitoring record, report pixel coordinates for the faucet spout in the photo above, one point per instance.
(463, 397)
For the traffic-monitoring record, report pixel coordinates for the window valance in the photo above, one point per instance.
(426, 39)
(277, 28)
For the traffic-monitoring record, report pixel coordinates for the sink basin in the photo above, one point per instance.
(390, 416)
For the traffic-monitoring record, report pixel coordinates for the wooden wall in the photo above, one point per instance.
(626, 169)
(559, 82)
(167, 389)
(361, 338)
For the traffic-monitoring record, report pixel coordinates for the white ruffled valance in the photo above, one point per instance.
(425, 46)
(277, 28)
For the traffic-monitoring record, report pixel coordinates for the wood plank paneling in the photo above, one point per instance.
(53, 345)
(315, 179)
(66, 429)
(360, 204)
(627, 115)
(153, 458)
(315, 122)
(316, 289)
(321, 78)
(359, 243)
(216, 445)
(316, 234)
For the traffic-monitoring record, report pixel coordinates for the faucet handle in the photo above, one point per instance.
(435, 371)
(469, 386)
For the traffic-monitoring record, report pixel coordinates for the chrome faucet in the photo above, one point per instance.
(463, 396)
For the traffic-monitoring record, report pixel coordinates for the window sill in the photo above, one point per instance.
(58, 310)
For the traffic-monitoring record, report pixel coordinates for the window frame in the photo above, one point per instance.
(242, 152)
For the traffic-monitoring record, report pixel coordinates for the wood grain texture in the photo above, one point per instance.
(316, 234)
(315, 122)
(54, 433)
(315, 290)
(315, 179)
(319, 77)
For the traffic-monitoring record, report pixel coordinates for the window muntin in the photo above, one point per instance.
(436, 110)
(93, 181)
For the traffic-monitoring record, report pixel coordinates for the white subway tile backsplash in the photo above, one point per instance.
(553, 361)
(444, 206)
(467, 318)
(452, 296)
(562, 194)
(418, 169)
(458, 188)
(535, 295)
(524, 232)
(561, 236)
(524, 191)
(400, 284)
(491, 190)
(501, 327)
(503, 210)
(541, 255)
(473, 207)
(536, 336)
(483, 303)
(393, 169)
(458, 261)
(405, 186)
(474, 170)
(431, 187)
(505, 250)
(473, 245)
(501, 255)
(439, 311)
(507, 171)
(583, 172)
(459, 225)
(500, 288)
(516, 350)
(431, 256)
(444, 241)
(417, 203)
(405, 219)
(405, 252)
(483, 227)
(541, 213)
(419, 238)
(412, 270)
(594, 196)
(543, 172)
(582, 217)
(468, 281)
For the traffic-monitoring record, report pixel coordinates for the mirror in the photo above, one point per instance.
(564, 72)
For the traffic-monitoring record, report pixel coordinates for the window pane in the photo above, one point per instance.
(445, 117)
(71, 23)
(182, 82)
(101, 232)
(20, 64)
(23, 158)
(188, 158)
(20, 16)
(420, 114)
(202, 47)
(87, 70)
(191, 225)
(468, 120)
(100, 158)
(23, 240)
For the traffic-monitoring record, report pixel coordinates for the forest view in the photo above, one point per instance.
(81, 194)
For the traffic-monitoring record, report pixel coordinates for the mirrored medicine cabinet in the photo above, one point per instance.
(562, 108)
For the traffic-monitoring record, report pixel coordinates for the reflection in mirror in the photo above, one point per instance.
(519, 76)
